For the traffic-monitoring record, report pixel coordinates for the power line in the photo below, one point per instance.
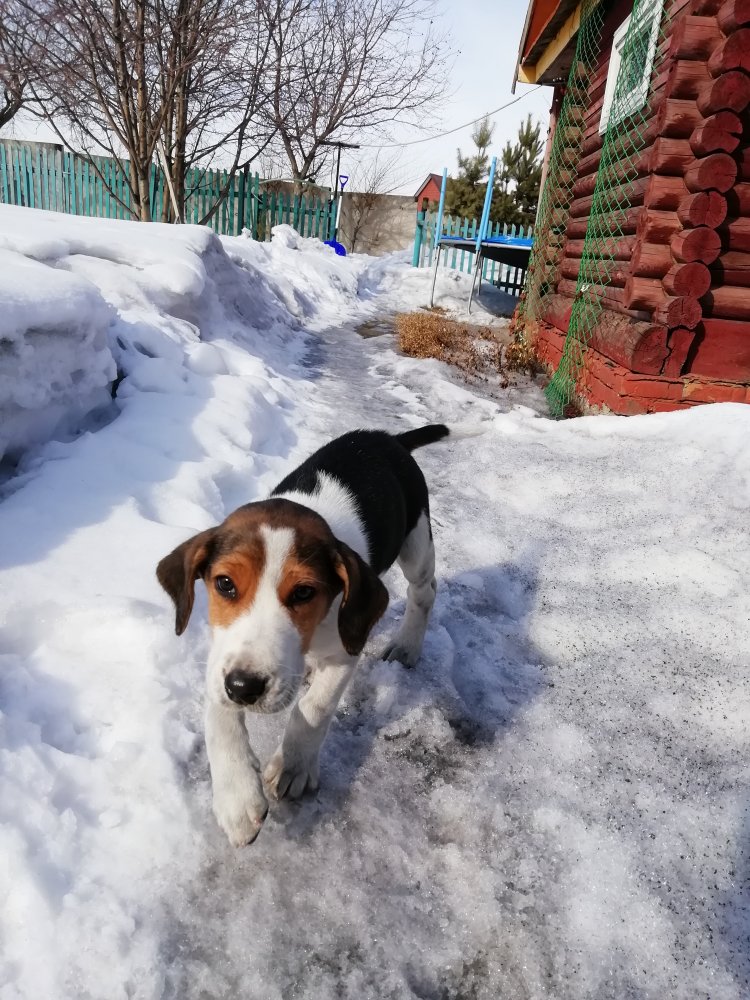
(440, 135)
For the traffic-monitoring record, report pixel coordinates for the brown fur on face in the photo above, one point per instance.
(236, 549)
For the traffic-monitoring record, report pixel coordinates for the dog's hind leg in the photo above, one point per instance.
(417, 561)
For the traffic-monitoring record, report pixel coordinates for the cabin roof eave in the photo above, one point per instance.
(546, 48)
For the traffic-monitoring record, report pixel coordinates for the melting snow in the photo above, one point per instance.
(554, 803)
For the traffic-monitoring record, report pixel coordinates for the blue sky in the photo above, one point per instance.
(486, 35)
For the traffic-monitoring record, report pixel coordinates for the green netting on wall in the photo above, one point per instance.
(635, 57)
(621, 163)
(554, 204)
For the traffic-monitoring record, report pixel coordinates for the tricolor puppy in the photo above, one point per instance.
(297, 576)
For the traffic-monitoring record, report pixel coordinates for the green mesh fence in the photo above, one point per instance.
(554, 204)
(626, 109)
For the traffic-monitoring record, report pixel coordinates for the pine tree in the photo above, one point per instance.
(527, 171)
(464, 195)
(517, 177)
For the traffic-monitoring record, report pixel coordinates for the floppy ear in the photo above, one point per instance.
(178, 572)
(364, 602)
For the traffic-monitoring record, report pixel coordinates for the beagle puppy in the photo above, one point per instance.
(296, 578)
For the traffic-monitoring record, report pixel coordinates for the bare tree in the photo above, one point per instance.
(341, 68)
(219, 90)
(360, 219)
(126, 77)
(19, 58)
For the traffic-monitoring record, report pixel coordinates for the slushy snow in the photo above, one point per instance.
(553, 803)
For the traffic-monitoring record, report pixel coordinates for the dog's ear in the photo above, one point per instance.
(178, 572)
(364, 600)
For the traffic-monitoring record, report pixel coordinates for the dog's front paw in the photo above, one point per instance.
(291, 771)
(240, 807)
(402, 652)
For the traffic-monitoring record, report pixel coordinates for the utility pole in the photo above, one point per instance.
(340, 146)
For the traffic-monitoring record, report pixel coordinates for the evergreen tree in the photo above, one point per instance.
(464, 195)
(517, 177)
(526, 172)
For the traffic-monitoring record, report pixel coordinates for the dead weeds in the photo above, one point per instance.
(479, 351)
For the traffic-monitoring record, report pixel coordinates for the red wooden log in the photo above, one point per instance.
(733, 14)
(664, 193)
(687, 79)
(679, 344)
(607, 298)
(637, 346)
(557, 310)
(620, 249)
(737, 277)
(701, 244)
(656, 227)
(735, 235)
(705, 7)
(732, 53)
(609, 274)
(610, 298)
(670, 156)
(651, 260)
(727, 302)
(738, 200)
(694, 38)
(717, 171)
(644, 293)
(655, 191)
(728, 92)
(734, 260)
(687, 279)
(743, 164)
(723, 351)
(677, 119)
(650, 225)
(683, 310)
(719, 133)
(705, 208)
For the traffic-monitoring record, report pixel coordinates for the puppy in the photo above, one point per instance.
(297, 576)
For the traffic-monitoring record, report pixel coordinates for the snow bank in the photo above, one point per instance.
(55, 362)
(552, 804)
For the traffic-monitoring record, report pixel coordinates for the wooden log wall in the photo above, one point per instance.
(632, 286)
(716, 229)
(684, 255)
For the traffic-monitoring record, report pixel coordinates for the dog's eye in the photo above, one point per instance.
(225, 586)
(302, 594)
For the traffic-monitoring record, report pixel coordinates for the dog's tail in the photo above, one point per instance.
(420, 436)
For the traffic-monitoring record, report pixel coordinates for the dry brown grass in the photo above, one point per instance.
(520, 357)
(476, 350)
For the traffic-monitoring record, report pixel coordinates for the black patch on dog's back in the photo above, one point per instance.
(382, 477)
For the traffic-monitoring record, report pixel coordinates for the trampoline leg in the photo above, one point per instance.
(477, 272)
(434, 275)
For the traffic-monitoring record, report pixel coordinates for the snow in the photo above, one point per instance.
(552, 804)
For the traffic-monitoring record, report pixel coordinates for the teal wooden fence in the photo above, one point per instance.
(44, 175)
(509, 279)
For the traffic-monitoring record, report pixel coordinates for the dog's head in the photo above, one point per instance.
(272, 571)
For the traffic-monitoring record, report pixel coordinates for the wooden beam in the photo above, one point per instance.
(728, 92)
(704, 208)
(718, 171)
(701, 244)
(687, 279)
(732, 53)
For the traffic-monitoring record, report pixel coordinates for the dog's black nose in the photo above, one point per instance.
(242, 688)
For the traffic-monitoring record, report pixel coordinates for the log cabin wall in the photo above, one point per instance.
(720, 347)
(677, 305)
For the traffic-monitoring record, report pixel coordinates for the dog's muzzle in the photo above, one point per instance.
(243, 688)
